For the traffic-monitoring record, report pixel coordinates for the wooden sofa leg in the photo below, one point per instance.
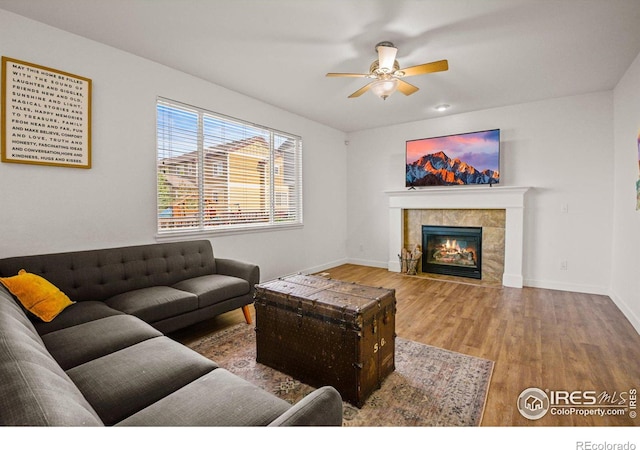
(247, 313)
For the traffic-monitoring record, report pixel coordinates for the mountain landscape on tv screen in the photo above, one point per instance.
(437, 169)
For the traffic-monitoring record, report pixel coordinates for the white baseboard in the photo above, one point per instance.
(624, 307)
(511, 280)
(582, 288)
(339, 262)
(322, 267)
(368, 262)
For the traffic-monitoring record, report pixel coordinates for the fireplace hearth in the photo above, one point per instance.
(450, 250)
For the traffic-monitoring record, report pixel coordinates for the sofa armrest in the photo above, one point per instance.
(322, 407)
(239, 269)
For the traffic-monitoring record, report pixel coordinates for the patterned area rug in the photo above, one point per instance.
(430, 386)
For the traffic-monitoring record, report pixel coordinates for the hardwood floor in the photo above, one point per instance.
(551, 340)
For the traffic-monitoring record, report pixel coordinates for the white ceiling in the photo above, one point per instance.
(500, 52)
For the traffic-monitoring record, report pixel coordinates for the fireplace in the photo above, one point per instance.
(511, 199)
(453, 251)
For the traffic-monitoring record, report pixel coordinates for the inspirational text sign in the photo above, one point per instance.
(46, 116)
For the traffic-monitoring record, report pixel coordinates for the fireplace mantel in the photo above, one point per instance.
(509, 198)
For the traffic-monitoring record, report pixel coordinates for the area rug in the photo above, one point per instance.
(430, 386)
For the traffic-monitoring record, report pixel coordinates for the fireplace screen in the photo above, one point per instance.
(452, 250)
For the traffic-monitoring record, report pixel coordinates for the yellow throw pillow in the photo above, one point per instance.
(37, 295)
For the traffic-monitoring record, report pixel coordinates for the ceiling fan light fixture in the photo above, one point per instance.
(386, 56)
(384, 88)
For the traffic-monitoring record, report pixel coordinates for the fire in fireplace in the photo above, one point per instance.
(453, 251)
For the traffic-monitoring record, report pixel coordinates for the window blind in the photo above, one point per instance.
(220, 173)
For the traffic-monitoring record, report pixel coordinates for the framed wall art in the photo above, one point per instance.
(46, 116)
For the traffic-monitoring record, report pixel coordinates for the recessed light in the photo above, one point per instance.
(442, 107)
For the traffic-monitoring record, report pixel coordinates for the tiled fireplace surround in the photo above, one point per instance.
(499, 210)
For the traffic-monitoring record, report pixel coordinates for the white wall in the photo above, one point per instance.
(625, 281)
(563, 148)
(51, 209)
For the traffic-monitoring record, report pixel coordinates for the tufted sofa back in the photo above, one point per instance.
(101, 274)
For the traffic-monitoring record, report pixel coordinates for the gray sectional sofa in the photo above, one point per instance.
(169, 286)
(105, 361)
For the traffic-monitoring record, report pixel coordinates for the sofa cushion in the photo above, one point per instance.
(37, 295)
(212, 289)
(34, 390)
(76, 314)
(121, 383)
(219, 398)
(12, 314)
(76, 345)
(322, 407)
(154, 303)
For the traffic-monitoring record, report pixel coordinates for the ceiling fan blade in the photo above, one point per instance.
(361, 91)
(435, 66)
(356, 75)
(406, 88)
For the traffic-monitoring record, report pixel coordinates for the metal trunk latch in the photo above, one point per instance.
(299, 309)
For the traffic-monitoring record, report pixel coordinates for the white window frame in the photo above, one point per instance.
(203, 229)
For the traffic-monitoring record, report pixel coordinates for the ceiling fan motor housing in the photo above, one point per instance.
(376, 72)
(384, 44)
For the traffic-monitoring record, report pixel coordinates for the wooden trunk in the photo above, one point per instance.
(327, 332)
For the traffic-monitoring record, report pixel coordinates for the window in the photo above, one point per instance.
(217, 173)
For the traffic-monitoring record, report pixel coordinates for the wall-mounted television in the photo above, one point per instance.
(456, 159)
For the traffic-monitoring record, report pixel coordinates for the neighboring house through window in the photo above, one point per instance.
(217, 173)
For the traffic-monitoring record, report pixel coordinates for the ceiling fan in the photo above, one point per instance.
(387, 75)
